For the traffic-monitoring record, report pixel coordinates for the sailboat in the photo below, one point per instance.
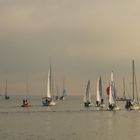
(26, 102)
(99, 98)
(134, 103)
(64, 94)
(6, 96)
(57, 93)
(87, 96)
(123, 98)
(112, 95)
(49, 99)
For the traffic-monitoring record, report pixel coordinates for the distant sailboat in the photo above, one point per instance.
(134, 103)
(6, 95)
(64, 94)
(49, 100)
(26, 102)
(99, 98)
(123, 98)
(87, 96)
(112, 96)
(57, 93)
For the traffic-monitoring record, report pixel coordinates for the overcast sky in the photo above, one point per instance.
(84, 38)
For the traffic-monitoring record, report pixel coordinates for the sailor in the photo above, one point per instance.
(26, 102)
(102, 101)
(97, 103)
(23, 102)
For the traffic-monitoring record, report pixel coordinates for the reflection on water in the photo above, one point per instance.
(68, 120)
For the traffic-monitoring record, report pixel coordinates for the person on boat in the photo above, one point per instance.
(87, 104)
(26, 102)
(111, 106)
(47, 101)
(128, 104)
(102, 101)
(97, 103)
(23, 102)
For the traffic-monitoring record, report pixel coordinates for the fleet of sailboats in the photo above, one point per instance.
(49, 99)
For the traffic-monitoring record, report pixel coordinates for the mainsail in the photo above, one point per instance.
(87, 95)
(99, 89)
(49, 87)
(111, 94)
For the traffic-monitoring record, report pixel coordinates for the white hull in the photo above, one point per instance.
(102, 105)
(90, 105)
(52, 103)
(135, 107)
(114, 109)
(87, 104)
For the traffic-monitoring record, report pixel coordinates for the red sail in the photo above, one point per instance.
(107, 90)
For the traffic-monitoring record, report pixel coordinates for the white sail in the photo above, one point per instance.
(87, 95)
(112, 76)
(111, 94)
(113, 83)
(49, 84)
(99, 89)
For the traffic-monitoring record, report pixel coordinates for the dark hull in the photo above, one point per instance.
(46, 101)
(87, 104)
(28, 105)
(7, 97)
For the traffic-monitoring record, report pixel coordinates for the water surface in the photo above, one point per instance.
(68, 120)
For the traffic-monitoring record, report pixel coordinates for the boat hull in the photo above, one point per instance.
(115, 108)
(28, 105)
(48, 101)
(135, 107)
(87, 104)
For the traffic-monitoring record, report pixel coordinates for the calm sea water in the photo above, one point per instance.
(68, 120)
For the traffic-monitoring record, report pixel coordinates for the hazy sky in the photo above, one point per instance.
(84, 38)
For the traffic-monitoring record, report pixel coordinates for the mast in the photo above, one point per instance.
(6, 88)
(133, 76)
(27, 88)
(57, 90)
(124, 87)
(136, 88)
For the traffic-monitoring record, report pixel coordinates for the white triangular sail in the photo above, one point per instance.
(112, 76)
(99, 89)
(111, 94)
(87, 95)
(113, 83)
(49, 84)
